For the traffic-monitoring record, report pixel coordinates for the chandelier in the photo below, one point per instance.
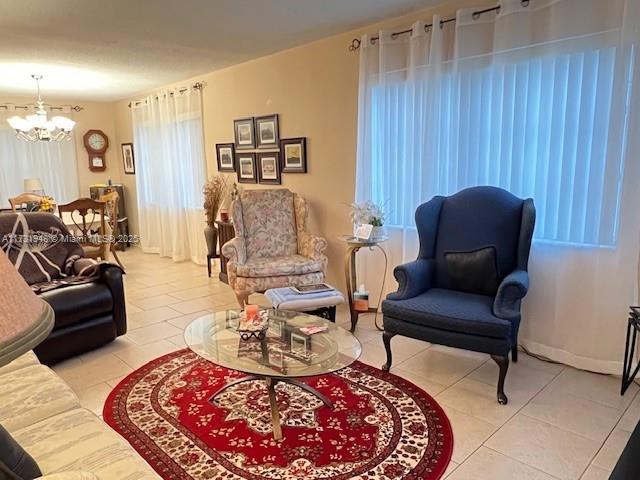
(37, 127)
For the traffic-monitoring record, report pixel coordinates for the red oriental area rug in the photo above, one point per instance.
(381, 426)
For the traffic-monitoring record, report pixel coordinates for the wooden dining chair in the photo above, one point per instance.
(110, 200)
(24, 199)
(88, 221)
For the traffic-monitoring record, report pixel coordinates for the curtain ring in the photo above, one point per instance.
(441, 24)
(355, 45)
(475, 15)
(427, 28)
(524, 3)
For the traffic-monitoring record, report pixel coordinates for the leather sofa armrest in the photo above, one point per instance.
(112, 276)
(235, 250)
(510, 292)
(413, 278)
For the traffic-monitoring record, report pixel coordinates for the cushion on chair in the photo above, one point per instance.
(276, 266)
(74, 303)
(475, 218)
(450, 310)
(269, 223)
(475, 271)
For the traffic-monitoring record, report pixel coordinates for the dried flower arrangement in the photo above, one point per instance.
(214, 192)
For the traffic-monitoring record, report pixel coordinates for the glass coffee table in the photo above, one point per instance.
(283, 354)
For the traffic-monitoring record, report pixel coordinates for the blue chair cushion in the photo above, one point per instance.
(450, 310)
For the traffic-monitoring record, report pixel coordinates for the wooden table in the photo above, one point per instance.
(225, 233)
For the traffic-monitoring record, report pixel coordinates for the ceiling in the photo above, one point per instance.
(108, 50)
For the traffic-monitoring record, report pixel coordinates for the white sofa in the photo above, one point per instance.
(67, 441)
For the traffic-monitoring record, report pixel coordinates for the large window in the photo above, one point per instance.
(542, 128)
(54, 163)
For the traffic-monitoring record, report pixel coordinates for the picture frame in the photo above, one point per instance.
(128, 159)
(293, 152)
(244, 131)
(246, 167)
(225, 155)
(267, 132)
(268, 164)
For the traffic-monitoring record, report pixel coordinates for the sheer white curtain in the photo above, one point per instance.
(54, 163)
(170, 174)
(536, 99)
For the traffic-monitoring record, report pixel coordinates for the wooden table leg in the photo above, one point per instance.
(275, 414)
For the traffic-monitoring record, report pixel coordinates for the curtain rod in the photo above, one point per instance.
(9, 106)
(355, 43)
(196, 86)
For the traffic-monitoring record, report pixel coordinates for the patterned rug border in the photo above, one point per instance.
(127, 382)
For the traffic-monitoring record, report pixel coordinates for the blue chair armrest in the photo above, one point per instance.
(413, 278)
(510, 292)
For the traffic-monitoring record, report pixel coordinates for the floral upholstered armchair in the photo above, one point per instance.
(272, 247)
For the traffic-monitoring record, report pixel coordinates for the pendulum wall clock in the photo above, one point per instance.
(96, 143)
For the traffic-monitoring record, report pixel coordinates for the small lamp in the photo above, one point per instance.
(33, 185)
(25, 320)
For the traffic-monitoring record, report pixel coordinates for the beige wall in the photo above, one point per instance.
(314, 89)
(95, 116)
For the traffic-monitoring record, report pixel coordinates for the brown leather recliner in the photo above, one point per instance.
(87, 314)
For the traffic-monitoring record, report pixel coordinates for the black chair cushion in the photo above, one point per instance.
(452, 311)
(75, 303)
(15, 462)
(475, 271)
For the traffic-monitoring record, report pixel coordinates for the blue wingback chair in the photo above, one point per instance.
(465, 288)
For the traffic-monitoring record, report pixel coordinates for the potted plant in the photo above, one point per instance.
(214, 192)
(369, 213)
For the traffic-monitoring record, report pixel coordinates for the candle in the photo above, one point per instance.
(251, 312)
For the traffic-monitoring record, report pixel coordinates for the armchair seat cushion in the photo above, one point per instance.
(277, 266)
(450, 310)
(75, 303)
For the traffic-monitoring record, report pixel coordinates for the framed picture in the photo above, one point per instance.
(246, 167)
(225, 154)
(294, 155)
(267, 131)
(128, 159)
(269, 168)
(244, 133)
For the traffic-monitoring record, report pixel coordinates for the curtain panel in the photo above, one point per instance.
(54, 163)
(170, 174)
(537, 99)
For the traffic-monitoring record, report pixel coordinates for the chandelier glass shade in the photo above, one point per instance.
(37, 127)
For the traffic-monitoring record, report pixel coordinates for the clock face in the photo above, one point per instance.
(96, 141)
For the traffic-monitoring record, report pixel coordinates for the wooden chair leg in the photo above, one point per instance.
(243, 299)
(514, 354)
(503, 364)
(386, 339)
(115, 255)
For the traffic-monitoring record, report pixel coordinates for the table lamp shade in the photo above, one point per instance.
(32, 185)
(25, 320)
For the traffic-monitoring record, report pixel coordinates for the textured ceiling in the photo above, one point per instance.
(112, 49)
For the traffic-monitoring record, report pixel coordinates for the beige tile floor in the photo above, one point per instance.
(560, 423)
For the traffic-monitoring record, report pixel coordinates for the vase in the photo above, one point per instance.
(378, 232)
(211, 236)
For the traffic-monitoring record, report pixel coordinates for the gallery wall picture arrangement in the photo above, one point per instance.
(294, 155)
(128, 159)
(225, 154)
(269, 168)
(244, 132)
(246, 167)
(267, 134)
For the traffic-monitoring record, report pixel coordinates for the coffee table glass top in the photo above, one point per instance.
(285, 351)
